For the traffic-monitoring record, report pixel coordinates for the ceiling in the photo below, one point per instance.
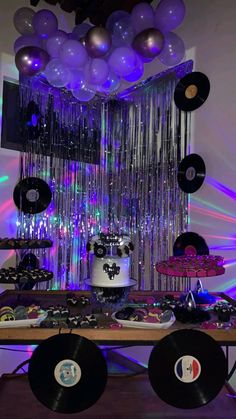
(97, 11)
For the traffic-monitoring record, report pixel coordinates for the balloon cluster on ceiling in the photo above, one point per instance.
(94, 59)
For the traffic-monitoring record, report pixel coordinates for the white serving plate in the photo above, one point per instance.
(23, 323)
(143, 325)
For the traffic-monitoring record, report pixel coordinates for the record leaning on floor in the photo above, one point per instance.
(187, 369)
(190, 244)
(32, 195)
(191, 173)
(67, 373)
(192, 91)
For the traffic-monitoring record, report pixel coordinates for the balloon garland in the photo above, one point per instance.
(94, 59)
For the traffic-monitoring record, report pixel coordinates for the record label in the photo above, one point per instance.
(32, 195)
(190, 251)
(67, 373)
(187, 369)
(191, 91)
(190, 173)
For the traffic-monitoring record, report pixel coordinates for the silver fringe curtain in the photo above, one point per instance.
(133, 189)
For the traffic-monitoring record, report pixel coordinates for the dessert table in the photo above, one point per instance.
(104, 335)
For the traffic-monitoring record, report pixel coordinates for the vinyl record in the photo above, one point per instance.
(67, 373)
(190, 244)
(192, 91)
(187, 369)
(32, 195)
(191, 173)
(29, 261)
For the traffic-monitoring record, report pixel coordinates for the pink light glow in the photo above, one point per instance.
(229, 262)
(12, 163)
(213, 214)
(53, 251)
(212, 236)
(11, 253)
(5, 206)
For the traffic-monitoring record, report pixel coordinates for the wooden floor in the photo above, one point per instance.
(123, 398)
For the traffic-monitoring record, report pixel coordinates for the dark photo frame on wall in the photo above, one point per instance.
(23, 129)
(10, 137)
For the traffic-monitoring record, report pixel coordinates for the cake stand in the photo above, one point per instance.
(187, 267)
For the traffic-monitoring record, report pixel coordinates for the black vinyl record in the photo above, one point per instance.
(190, 244)
(191, 173)
(192, 91)
(67, 373)
(32, 195)
(29, 261)
(187, 369)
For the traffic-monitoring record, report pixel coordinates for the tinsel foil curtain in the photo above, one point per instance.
(131, 186)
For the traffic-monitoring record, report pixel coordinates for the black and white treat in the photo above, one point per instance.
(119, 244)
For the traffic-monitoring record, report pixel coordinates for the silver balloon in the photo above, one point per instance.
(23, 18)
(148, 43)
(98, 42)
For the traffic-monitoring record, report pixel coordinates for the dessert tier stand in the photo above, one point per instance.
(187, 267)
(24, 278)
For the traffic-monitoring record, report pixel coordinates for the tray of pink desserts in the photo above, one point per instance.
(144, 317)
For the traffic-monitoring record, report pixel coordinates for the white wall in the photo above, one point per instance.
(209, 26)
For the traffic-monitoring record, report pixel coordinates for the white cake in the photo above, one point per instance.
(110, 264)
(111, 271)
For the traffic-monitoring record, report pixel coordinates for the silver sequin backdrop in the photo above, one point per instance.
(142, 137)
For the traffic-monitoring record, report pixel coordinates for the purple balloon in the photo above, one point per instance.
(122, 61)
(80, 31)
(111, 85)
(123, 33)
(173, 51)
(23, 18)
(73, 54)
(169, 14)
(142, 17)
(83, 94)
(137, 74)
(114, 19)
(31, 60)
(56, 73)
(27, 41)
(45, 23)
(76, 80)
(55, 42)
(96, 71)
